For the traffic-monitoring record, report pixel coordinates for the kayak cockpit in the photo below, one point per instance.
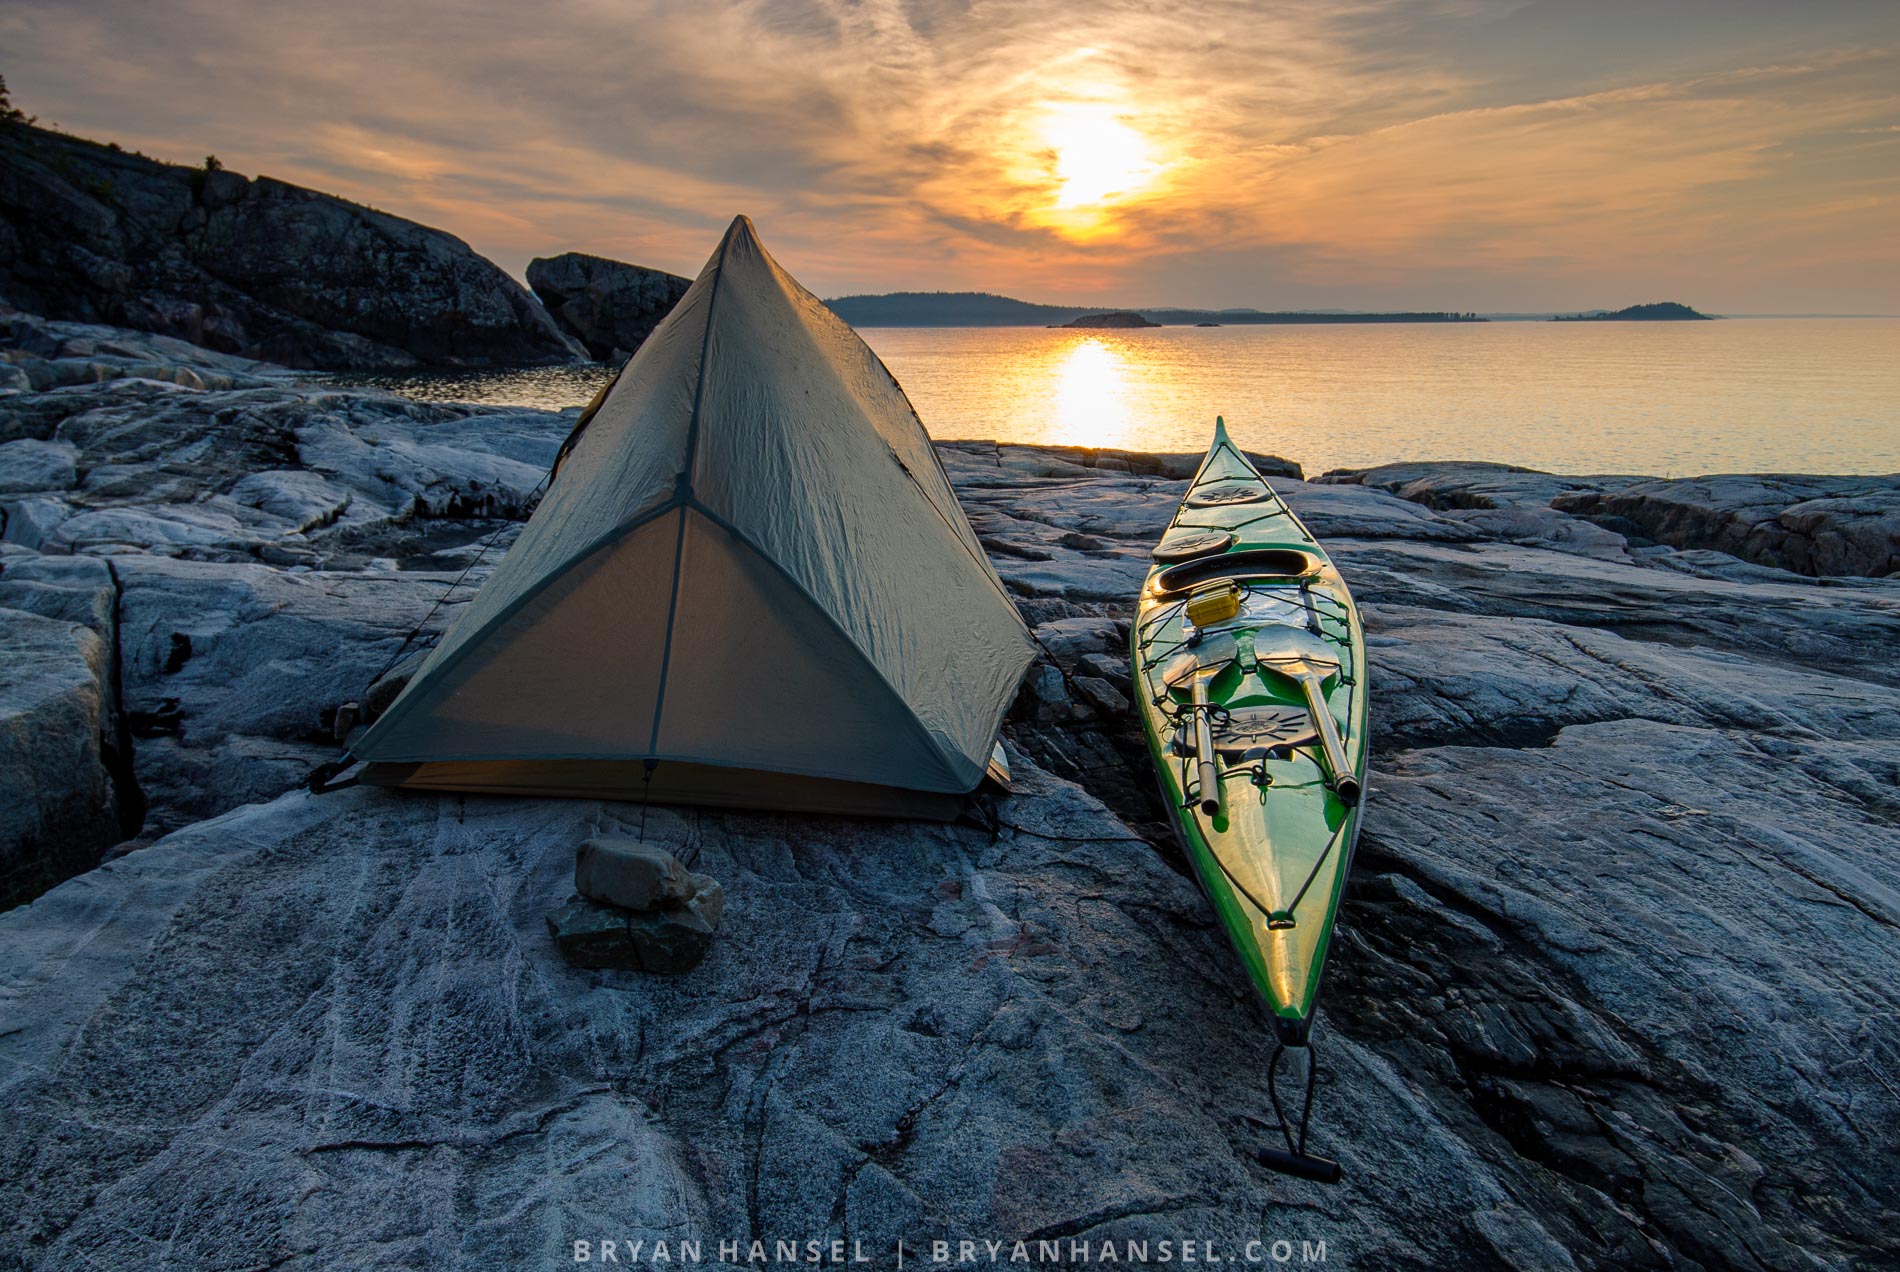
(1288, 564)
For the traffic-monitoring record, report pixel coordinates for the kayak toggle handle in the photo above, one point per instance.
(1294, 1159)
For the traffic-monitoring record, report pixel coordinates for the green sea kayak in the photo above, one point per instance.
(1249, 667)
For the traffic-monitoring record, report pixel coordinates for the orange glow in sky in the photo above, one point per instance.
(1381, 154)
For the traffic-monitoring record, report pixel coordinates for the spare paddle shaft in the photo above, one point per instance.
(1344, 782)
(1204, 748)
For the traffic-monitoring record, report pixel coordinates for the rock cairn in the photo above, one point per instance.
(639, 909)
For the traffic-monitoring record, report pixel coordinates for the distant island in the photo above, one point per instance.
(985, 309)
(1659, 311)
(1118, 318)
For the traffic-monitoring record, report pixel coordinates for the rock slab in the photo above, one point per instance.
(58, 807)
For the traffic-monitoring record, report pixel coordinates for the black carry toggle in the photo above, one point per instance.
(1295, 1160)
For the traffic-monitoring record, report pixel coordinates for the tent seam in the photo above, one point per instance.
(683, 489)
(666, 650)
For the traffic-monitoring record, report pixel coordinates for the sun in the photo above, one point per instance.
(1098, 157)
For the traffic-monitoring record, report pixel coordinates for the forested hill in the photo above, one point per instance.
(947, 309)
(984, 309)
(1656, 311)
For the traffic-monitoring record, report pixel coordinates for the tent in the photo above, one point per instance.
(749, 584)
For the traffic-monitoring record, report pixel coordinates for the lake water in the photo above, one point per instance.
(1674, 399)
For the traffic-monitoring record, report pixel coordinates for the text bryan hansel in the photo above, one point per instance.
(688, 1251)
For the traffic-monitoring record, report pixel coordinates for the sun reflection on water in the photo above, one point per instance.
(1093, 396)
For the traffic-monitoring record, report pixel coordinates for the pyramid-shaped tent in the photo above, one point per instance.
(749, 584)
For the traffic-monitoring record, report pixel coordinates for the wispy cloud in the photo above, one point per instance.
(1357, 151)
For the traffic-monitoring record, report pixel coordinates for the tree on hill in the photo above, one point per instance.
(9, 113)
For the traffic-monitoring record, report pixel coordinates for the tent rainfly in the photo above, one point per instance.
(750, 585)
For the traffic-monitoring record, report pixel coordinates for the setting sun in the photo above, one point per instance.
(1097, 156)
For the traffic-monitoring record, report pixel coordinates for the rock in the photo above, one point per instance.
(58, 808)
(388, 686)
(263, 269)
(1810, 525)
(1467, 484)
(708, 900)
(630, 874)
(972, 462)
(669, 941)
(296, 474)
(589, 934)
(78, 590)
(609, 306)
(1069, 639)
(29, 464)
(1817, 526)
(230, 671)
(1048, 693)
(1544, 528)
(53, 354)
(1102, 695)
(31, 522)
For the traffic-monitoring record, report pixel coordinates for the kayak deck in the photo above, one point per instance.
(1273, 853)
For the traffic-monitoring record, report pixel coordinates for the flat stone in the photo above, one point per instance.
(670, 941)
(1102, 695)
(30, 522)
(30, 464)
(593, 935)
(229, 670)
(630, 874)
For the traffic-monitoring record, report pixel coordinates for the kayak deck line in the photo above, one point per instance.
(1250, 660)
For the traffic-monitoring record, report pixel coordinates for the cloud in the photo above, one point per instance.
(1303, 151)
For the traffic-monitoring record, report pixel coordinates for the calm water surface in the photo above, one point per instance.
(1742, 395)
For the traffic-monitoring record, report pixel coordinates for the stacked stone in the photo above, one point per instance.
(638, 909)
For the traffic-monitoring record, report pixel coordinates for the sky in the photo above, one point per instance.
(1488, 155)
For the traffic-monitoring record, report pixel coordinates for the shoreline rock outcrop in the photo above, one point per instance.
(258, 268)
(609, 306)
(1613, 986)
(1840, 526)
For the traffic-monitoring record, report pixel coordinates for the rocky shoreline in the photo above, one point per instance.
(94, 233)
(1823, 527)
(1616, 978)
